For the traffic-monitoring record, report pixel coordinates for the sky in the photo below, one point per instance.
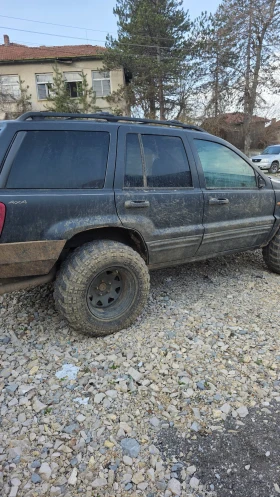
(91, 20)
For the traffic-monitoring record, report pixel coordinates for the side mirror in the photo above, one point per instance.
(261, 182)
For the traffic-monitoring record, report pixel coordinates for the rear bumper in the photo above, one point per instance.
(29, 258)
(8, 285)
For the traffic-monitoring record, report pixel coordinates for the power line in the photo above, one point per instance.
(80, 38)
(54, 24)
(70, 26)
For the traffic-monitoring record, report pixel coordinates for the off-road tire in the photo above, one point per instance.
(78, 272)
(271, 253)
(274, 168)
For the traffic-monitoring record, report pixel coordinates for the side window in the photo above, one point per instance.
(222, 167)
(133, 163)
(166, 162)
(60, 159)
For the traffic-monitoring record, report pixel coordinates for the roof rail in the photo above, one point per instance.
(106, 116)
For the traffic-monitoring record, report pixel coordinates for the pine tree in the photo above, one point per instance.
(153, 48)
(59, 99)
(217, 59)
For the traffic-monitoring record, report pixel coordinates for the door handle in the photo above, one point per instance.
(218, 201)
(132, 204)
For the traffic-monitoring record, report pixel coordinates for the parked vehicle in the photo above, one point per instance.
(268, 159)
(96, 200)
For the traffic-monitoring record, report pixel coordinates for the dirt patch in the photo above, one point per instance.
(241, 461)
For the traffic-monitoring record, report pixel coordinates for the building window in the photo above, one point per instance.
(44, 83)
(10, 87)
(73, 83)
(101, 83)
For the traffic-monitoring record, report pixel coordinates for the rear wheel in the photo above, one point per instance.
(271, 253)
(274, 167)
(102, 287)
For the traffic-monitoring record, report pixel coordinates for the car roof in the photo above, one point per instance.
(107, 118)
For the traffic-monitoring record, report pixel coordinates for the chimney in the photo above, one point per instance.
(6, 40)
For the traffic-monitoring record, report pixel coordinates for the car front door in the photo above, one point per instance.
(238, 215)
(157, 192)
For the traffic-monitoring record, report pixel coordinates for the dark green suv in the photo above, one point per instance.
(95, 201)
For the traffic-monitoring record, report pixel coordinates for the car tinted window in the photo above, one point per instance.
(223, 168)
(166, 162)
(60, 159)
(133, 164)
(272, 150)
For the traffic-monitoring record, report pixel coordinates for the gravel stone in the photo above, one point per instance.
(154, 422)
(38, 405)
(45, 471)
(99, 482)
(242, 411)
(35, 478)
(72, 480)
(12, 387)
(203, 355)
(130, 447)
(194, 482)
(195, 426)
(138, 477)
(191, 470)
(135, 374)
(98, 398)
(174, 486)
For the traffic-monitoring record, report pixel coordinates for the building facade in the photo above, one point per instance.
(31, 69)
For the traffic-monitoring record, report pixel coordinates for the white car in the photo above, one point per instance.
(269, 159)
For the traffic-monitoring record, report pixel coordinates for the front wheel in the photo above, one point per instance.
(271, 253)
(274, 167)
(102, 287)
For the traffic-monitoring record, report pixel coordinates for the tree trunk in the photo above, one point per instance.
(160, 89)
(247, 116)
(152, 107)
(216, 88)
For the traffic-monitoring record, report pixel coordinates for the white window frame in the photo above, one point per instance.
(74, 79)
(12, 94)
(101, 79)
(46, 83)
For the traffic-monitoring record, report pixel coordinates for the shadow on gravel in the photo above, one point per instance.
(220, 458)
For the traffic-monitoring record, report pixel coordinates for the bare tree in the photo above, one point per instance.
(256, 25)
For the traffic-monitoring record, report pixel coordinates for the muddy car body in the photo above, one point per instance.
(95, 201)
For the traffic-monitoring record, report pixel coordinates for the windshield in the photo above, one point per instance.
(272, 150)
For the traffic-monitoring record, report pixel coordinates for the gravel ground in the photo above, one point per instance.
(185, 402)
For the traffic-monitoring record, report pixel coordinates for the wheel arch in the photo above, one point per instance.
(129, 237)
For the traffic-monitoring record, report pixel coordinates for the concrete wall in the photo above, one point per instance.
(27, 72)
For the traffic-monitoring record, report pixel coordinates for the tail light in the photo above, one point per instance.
(2, 216)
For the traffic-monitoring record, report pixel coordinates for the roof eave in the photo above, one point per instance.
(51, 59)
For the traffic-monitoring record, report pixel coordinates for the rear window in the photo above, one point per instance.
(60, 159)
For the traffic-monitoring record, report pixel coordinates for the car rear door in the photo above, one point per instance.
(57, 180)
(238, 215)
(158, 193)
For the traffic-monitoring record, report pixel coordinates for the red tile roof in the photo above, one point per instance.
(16, 52)
(238, 118)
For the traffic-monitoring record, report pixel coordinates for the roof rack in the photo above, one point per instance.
(105, 116)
